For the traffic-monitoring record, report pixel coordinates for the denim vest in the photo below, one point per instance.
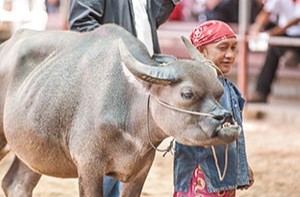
(187, 158)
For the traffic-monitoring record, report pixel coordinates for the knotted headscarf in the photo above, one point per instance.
(211, 32)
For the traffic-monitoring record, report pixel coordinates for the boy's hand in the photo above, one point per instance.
(251, 180)
(251, 175)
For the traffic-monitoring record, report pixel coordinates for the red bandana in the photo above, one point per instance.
(210, 32)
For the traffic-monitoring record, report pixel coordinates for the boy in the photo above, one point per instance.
(216, 170)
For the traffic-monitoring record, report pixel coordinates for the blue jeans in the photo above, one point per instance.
(112, 187)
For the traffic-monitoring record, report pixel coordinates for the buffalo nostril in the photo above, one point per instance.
(219, 118)
(226, 117)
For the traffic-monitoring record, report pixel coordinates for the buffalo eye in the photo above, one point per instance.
(187, 95)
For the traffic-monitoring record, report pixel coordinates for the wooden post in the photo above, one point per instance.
(242, 74)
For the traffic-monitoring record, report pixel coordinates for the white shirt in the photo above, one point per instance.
(287, 10)
(142, 24)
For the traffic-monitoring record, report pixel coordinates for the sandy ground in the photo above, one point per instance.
(273, 152)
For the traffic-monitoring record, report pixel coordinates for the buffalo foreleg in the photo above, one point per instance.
(20, 180)
(90, 181)
(134, 188)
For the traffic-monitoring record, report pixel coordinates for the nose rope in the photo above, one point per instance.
(183, 110)
(221, 176)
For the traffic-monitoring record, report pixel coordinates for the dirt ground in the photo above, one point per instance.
(273, 152)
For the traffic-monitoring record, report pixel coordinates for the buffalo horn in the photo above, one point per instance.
(163, 75)
(194, 53)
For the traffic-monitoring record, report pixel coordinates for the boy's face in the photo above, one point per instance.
(222, 53)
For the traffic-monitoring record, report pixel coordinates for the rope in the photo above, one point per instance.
(217, 68)
(166, 150)
(183, 110)
(221, 177)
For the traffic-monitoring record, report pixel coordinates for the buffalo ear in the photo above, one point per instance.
(194, 53)
(161, 75)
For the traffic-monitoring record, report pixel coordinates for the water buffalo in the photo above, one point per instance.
(92, 104)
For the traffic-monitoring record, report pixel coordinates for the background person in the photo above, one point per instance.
(217, 170)
(288, 13)
(140, 17)
(224, 10)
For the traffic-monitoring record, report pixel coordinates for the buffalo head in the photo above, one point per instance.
(184, 98)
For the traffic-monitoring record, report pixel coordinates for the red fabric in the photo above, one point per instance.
(198, 187)
(177, 14)
(210, 32)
